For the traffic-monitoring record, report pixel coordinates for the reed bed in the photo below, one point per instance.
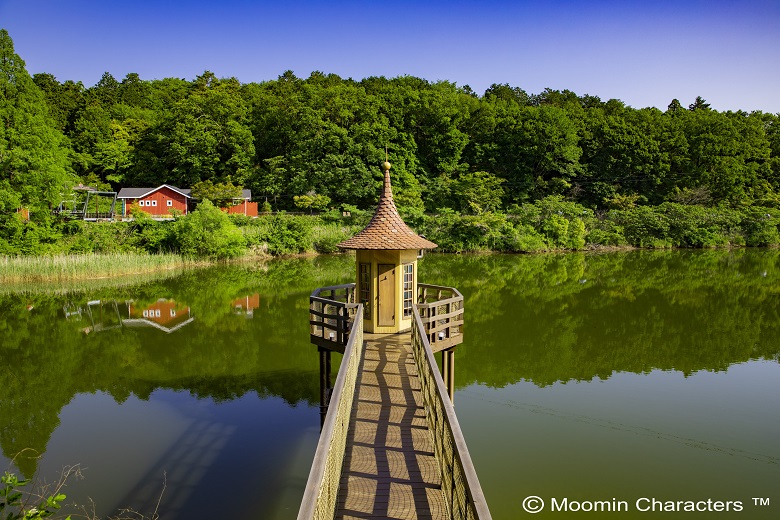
(34, 269)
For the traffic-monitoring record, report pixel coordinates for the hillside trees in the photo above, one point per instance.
(203, 136)
(324, 134)
(535, 149)
(34, 165)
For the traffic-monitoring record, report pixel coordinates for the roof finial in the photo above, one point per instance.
(386, 164)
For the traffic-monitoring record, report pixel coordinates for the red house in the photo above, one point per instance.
(159, 201)
(156, 201)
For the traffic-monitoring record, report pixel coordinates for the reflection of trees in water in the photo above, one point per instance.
(543, 318)
(549, 318)
(220, 355)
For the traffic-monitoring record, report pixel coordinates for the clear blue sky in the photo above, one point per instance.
(643, 52)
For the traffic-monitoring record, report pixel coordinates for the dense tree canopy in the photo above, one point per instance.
(325, 135)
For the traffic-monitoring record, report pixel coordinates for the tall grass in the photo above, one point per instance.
(325, 237)
(31, 269)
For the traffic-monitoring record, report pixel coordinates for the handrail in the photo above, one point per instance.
(442, 318)
(331, 311)
(319, 498)
(460, 484)
(348, 288)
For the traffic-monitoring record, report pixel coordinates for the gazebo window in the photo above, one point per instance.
(408, 289)
(365, 289)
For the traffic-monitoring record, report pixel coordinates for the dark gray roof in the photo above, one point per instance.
(137, 193)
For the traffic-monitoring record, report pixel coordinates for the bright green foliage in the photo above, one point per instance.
(280, 234)
(624, 155)
(478, 192)
(15, 505)
(535, 148)
(63, 98)
(34, 167)
(644, 227)
(222, 193)
(452, 152)
(761, 226)
(203, 137)
(208, 232)
(312, 201)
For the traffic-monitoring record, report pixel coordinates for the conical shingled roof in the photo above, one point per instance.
(387, 230)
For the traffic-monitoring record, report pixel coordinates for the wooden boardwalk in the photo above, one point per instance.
(390, 470)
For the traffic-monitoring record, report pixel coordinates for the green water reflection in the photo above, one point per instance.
(643, 374)
(588, 376)
(224, 339)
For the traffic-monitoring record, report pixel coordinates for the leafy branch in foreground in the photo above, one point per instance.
(18, 504)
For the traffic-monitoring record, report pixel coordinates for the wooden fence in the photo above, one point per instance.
(462, 491)
(331, 311)
(441, 312)
(319, 497)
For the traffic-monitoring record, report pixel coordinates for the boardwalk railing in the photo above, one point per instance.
(331, 311)
(465, 500)
(319, 498)
(441, 312)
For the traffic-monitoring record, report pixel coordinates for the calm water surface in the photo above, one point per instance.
(585, 377)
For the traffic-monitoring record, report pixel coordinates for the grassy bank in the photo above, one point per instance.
(33, 269)
(74, 250)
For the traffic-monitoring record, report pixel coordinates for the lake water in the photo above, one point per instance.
(583, 377)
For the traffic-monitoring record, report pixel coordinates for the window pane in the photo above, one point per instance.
(408, 272)
(365, 289)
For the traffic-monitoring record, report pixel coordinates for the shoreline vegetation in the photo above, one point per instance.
(65, 267)
(77, 250)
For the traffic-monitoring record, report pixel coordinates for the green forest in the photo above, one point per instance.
(503, 170)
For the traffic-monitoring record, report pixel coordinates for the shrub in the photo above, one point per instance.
(208, 232)
(326, 237)
(525, 239)
(281, 234)
(760, 226)
(643, 226)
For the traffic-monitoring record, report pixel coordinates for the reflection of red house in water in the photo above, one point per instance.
(166, 315)
(246, 305)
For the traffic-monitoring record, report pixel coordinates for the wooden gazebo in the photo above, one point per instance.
(386, 266)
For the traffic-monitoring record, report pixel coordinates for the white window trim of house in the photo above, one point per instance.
(170, 203)
(154, 203)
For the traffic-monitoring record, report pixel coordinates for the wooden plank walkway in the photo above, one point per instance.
(389, 466)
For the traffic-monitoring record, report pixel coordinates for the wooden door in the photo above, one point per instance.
(386, 306)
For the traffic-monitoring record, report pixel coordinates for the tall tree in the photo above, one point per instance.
(63, 99)
(699, 104)
(33, 155)
(674, 106)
